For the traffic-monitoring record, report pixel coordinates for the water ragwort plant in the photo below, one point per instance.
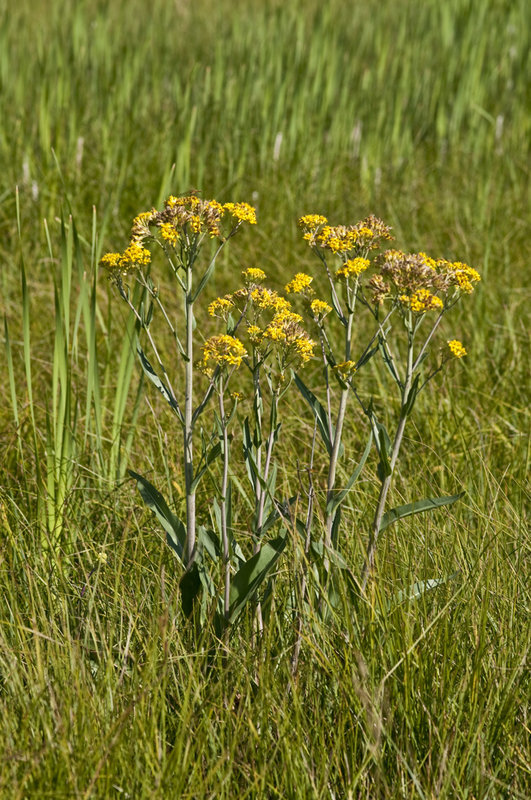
(255, 361)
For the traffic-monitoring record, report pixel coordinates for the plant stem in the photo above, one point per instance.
(386, 483)
(337, 444)
(188, 425)
(224, 485)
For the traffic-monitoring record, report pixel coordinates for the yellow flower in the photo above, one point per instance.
(312, 221)
(456, 348)
(304, 348)
(421, 301)
(320, 308)
(223, 350)
(253, 275)
(242, 212)
(236, 396)
(135, 255)
(220, 307)
(254, 333)
(300, 284)
(168, 233)
(354, 266)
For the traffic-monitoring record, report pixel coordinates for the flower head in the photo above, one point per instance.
(222, 350)
(456, 348)
(243, 212)
(352, 267)
(253, 275)
(319, 308)
(300, 284)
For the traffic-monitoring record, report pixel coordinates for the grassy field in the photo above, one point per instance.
(417, 111)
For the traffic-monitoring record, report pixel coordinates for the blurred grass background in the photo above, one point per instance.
(415, 111)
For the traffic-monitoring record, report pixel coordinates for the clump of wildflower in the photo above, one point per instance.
(236, 396)
(312, 221)
(243, 212)
(120, 264)
(320, 308)
(411, 272)
(220, 307)
(300, 284)
(456, 348)
(421, 301)
(460, 274)
(344, 239)
(254, 332)
(352, 267)
(253, 275)
(169, 233)
(224, 351)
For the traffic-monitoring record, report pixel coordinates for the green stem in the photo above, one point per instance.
(386, 483)
(224, 485)
(188, 424)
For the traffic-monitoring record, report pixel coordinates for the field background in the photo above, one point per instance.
(417, 111)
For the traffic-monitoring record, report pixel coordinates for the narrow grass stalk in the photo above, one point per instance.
(223, 505)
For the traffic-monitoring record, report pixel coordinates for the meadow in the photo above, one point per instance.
(416, 111)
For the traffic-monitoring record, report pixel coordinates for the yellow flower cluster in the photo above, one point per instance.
(243, 212)
(365, 235)
(223, 350)
(220, 307)
(461, 274)
(421, 301)
(169, 233)
(312, 221)
(320, 308)
(253, 275)
(268, 299)
(456, 348)
(121, 264)
(353, 266)
(300, 284)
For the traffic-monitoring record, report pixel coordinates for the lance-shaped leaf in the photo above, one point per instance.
(175, 530)
(204, 280)
(417, 507)
(211, 456)
(319, 414)
(338, 497)
(161, 386)
(252, 574)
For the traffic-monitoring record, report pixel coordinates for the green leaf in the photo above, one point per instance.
(412, 396)
(211, 456)
(338, 498)
(204, 280)
(318, 412)
(416, 508)
(175, 530)
(251, 575)
(154, 378)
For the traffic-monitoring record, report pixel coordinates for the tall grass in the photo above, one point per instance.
(417, 111)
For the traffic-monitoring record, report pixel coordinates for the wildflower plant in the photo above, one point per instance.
(414, 291)
(270, 337)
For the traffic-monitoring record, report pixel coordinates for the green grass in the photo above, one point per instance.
(416, 111)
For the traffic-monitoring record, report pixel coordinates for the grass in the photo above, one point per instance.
(416, 111)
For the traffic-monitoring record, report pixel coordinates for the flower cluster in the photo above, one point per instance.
(456, 348)
(352, 267)
(346, 240)
(415, 280)
(223, 351)
(300, 284)
(119, 265)
(182, 223)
